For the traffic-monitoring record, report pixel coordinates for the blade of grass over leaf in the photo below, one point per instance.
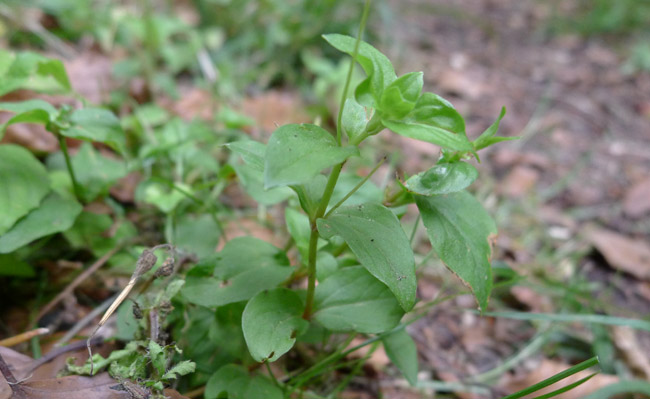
(566, 388)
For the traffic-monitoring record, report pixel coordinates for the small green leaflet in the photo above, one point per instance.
(401, 350)
(443, 178)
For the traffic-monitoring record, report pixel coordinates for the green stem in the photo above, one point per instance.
(331, 182)
(357, 187)
(68, 164)
(344, 95)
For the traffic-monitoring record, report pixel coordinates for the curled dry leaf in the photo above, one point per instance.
(624, 253)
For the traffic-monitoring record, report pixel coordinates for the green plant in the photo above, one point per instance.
(359, 254)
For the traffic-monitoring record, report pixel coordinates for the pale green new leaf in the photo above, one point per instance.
(429, 133)
(354, 118)
(297, 153)
(377, 66)
(376, 237)
(185, 367)
(31, 71)
(271, 321)
(96, 124)
(353, 300)
(461, 232)
(24, 183)
(487, 138)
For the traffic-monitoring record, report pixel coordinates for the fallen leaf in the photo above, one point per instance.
(637, 199)
(621, 252)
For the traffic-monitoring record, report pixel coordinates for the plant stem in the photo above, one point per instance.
(331, 181)
(68, 164)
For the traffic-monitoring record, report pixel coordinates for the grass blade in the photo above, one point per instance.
(575, 318)
(566, 388)
(552, 380)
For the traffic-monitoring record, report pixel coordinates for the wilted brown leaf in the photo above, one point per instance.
(624, 253)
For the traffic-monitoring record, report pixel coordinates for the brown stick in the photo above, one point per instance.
(80, 278)
(18, 392)
(26, 336)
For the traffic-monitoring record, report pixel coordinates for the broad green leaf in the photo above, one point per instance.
(24, 183)
(376, 65)
(461, 232)
(354, 119)
(377, 239)
(353, 300)
(326, 265)
(93, 231)
(431, 109)
(30, 111)
(244, 267)
(161, 195)
(310, 193)
(297, 153)
(401, 350)
(487, 138)
(55, 214)
(233, 382)
(96, 124)
(442, 179)
(400, 97)
(31, 71)
(184, 367)
(11, 265)
(430, 134)
(197, 234)
(271, 321)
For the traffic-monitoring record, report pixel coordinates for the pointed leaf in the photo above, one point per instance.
(354, 119)
(353, 300)
(487, 138)
(297, 153)
(401, 350)
(430, 134)
(377, 239)
(244, 267)
(54, 215)
(442, 179)
(400, 97)
(377, 66)
(271, 321)
(24, 184)
(431, 109)
(461, 231)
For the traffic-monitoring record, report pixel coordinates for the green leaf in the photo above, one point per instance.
(24, 184)
(487, 138)
(197, 234)
(430, 134)
(271, 321)
(431, 109)
(353, 300)
(252, 152)
(252, 180)
(310, 193)
(401, 350)
(377, 239)
(157, 356)
(297, 153)
(442, 179)
(369, 191)
(185, 367)
(244, 267)
(11, 265)
(93, 231)
(55, 214)
(30, 111)
(96, 124)
(377, 66)
(233, 382)
(354, 119)
(400, 97)
(461, 230)
(31, 71)
(161, 195)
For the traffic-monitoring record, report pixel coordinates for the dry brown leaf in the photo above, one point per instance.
(637, 199)
(624, 253)
(626, 341)
(91, 75)
(520, 181)
(547, 368)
